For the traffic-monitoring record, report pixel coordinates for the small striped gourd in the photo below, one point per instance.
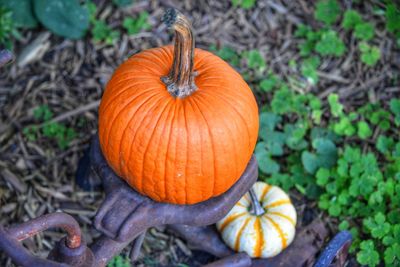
(265, 235)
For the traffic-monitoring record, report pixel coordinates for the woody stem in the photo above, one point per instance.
(180, 80)
(256, 207)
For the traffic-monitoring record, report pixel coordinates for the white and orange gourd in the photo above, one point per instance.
(264, 235)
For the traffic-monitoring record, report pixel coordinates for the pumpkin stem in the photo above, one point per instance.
(180, 80)
(256, 207)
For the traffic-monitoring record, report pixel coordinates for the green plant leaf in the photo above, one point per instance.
(310, 161)
(268, 121)
(322, 176)
(364, 131)
(103, 33)
(336, 107)
(377, 225)
(327, 11)
(330, 44)
(265, 163)
(255, 60)
(65, 18)
(351, 19)
(370, 55)
(7, 27)
(395, 108)
(269, 83)
(22, 12)
(368, 255)
(245, 4)
(325, 155)
(309, 69)
(384, 144)
(135, 25)
(392, 18)
(364, 31)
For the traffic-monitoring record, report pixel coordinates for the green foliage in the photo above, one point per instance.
(330, 44)
(102, 32)
(395, 108)
(255, 60)
(370, 55)
(245, 4)
(22, 12)
(65, 18)
(368, 255)
(327, 11)
(364, 131)
(226, 53)
(135, 25)
(119, 261)
(364, 31)
(269, 83)
(324, 156)
(351, 19)
(309, 68)
(58, 132)
(7, 27)
(352, 177)
(393, 19)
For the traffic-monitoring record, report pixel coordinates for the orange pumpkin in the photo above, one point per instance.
(178, 123)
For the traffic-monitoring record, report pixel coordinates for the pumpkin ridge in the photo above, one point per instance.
(105, 109)
(203, 60)
(147, 56)
(178, 147)
(156, 54)
(278, 229)
(167, 52)
(277, 203)
(283, 216)
(230, 219)
(240, 232)
(167, 152)
(200, 160)
(206, 102)
(123, 136)
(129, 85)
(259, 244)
(206, 190)
(212, 145)
(149, 142)
(246, 126)
(234, 94)
(171, 107)
(187, 151)
(176, 196)
(130, 102)
(131, 179)
(265, 192)
(127, 127)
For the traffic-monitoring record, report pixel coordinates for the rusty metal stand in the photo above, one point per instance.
(122, 218)
(125, 214)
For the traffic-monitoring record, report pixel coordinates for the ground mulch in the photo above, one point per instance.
(69, 76)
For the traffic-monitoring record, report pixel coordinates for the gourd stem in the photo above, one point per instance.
(256, 207)
(180, 80)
